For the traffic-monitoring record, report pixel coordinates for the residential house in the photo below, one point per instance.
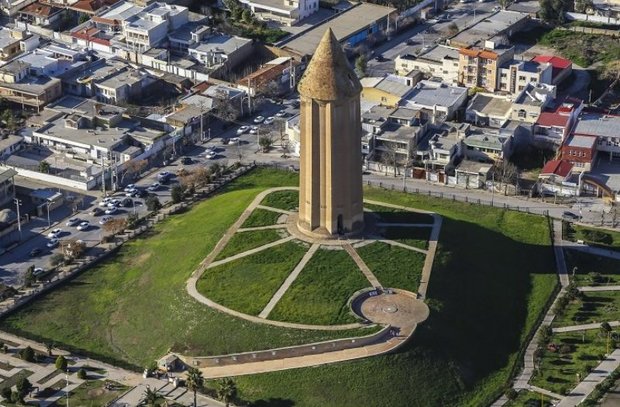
(388, 91)
(42, 15)
(561, 67)
(288, 12)
(10, 144)
(14, 41)
(396, 143)
(440, 62)
(604, 128)
(531, 101)
(150, 26)
(480, 67)
(487, 109)
(222, 49)
(580, 151)
(487, 145)
(7, 185)
(442, 100)
(515, 76)
(472, 174)
(555, 123)
(54, 60)
(557, 178)
(445, 149)
(273, 78)
(17, 85)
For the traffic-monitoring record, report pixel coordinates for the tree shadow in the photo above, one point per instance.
(273, 402)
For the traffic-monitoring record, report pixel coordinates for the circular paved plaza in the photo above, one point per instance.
(398, 309)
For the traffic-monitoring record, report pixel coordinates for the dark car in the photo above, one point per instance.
(35, 252)
(225, 141)
(142, 193)
(186, 160)
(127, 202)
(569, 216)
(97, 211)
(410, 42)
(379, 58)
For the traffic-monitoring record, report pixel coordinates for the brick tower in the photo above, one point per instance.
(330, 197)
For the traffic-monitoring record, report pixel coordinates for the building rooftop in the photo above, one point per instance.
(85, 107)
(225, 44)
(490, 105)
(397, 132)
(344, 25)
(9, 141)
(96, 71)
(487, 28)
(128, 77)
(429, 93)
(597, 124)
(40, 10)
(536, 94)
(119, 12)
(6, 174)
(377, 114)
(580, 141)
(32, 85)
(14, 67)
(273, 5)
(439, 53)
(474, 167)
(557, 167)
(486, 140)
(404, 113)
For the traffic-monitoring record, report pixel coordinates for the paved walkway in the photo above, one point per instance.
(600, 288)
(546, 392)
(289, 280)
(597, 251)
(361, 265)
(269, 208)
(279, 226)
(584, 327)
(430, 257)
(583, 389)
(558, 247)
(249, 252)
(399, 244)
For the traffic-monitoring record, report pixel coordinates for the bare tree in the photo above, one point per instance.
(506, 173)
(224, 108)
(73, 248)
(389, 157)
(114, 226)
(265, 142)
(134, 168)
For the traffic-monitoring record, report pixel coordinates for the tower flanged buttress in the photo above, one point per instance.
(330, 186)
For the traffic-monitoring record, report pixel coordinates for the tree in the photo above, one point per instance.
(56, 259)
(61, 363)
(27, 354)
(265, 142)
(22, 386)
(388, 156)
(506, 173)
(605, 328)
(226, 390)
(150, 397)
(553, 10)
(72, 248)
(216, 169)
(583, 6)
(81, 374)
(195, 381)
(360, 66)
(114, 226)
(44, 166)
(225, 108)
(152, 203)
(504, 4)
(134, 168)
(29, 276)
(453, 28)
(177, 193)
(6, 393)
(246, 16)
(511, 394)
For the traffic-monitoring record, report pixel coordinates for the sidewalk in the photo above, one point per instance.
(584, 327)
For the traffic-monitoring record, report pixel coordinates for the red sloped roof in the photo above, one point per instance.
(557, 167)
(556, 62)
(549, 119)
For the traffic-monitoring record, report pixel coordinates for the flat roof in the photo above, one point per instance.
(346, 24)
(5, 37)
(474, 167)
(128, 77)
(488, 27)
(596, 124)
(9, 141)
(439, 53)
(429, 93)
(85, 107)
(486, 140)
(6, 174)
(120, 11)
(490, 105)
(34, 85)
(226, 44)
(581, 141)
(377, 114)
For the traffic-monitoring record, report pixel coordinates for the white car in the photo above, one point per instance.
(211, 155)
(270, 120)
(129, 187)
(52, 243)
(254, 130)
(105, 220)
(131, 192)
(111, 210)
(259, 119)
(83, 225)
(234, 140)
(38, 271)
(153, 187)
(73, 221)
(54, 233)
(242, 130)
(105, 201)
(281, 113)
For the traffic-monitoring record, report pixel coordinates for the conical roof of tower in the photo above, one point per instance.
(329, 75)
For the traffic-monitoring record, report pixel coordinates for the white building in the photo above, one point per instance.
(439, 62)
(516, 75)
(151, 26)
(442, 100)
(285, 11)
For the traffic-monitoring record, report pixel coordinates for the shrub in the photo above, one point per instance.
(23, 385)
(61, 363)
(511, 394)
(6, 393)
(56, 259)
(565, 349)
(152, 203)
(27, 354)
(176, 193)
(81, 374)
(597, 236)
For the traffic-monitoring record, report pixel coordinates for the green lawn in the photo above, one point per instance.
(594, 307)
(244, 241)
(261, 217)
(594, 237)
(592, 269)
(559, 370)
(247, 284)
(583, 49)
(287, 200)
(394, 266)
(92, 393)
(394, 215)
(527, 398)
(134, 308)
(319, 294)
(412, 236)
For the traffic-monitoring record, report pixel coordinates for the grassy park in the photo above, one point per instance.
(527, 398)
(93, 393)
(411, 236)
(592, 270)
(320, 293)
(247, 284)
(261, 217)
(484, 302)
(244, 241)
(575, 353)
(395, 215)
(594, 237)
(404, 273)
(286, 200)
(593, 307)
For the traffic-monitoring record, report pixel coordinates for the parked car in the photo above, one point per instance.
(410, 42)
(73, 221)
(96, 211)
(259, 119)
(38, 272)
(131, 192)
(35, 252)
(142, 193)
(164, 176)
(52, 243)
(105, 201)
(210, 155)
(83, 225)
(129, 187)
(105, 220)
(281, 113)
(54, 233)
(153, 187)
(270, 120)
(186, 160)
(379, 58)
(234, 140)
(569, 216)
(127, 202)
(242, 130)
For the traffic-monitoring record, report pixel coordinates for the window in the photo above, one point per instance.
(521, 77)
(504, 75)
(522, 113)
(383, 99)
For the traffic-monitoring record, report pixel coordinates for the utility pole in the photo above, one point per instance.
(18, 203)
(103, 175)
(249, 97)
(202, 112)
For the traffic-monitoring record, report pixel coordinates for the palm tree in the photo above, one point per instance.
(150, 397)
(226, 390)
(194, 381)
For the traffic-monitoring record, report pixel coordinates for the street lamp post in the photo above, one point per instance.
(18, 203)
(49, 222)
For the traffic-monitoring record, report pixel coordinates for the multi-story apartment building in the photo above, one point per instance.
(285, 11)
(514, 76)
(440, 62)
(480, 67)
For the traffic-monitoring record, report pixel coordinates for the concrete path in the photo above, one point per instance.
(558, 247)
(289, 280)
(583, 389)
(430, 257)
(249, 252)
(278, 226)
(546, 392)
(600, 288)
(361, 265)
(584, 327)
(269, 208)
(597, 251)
